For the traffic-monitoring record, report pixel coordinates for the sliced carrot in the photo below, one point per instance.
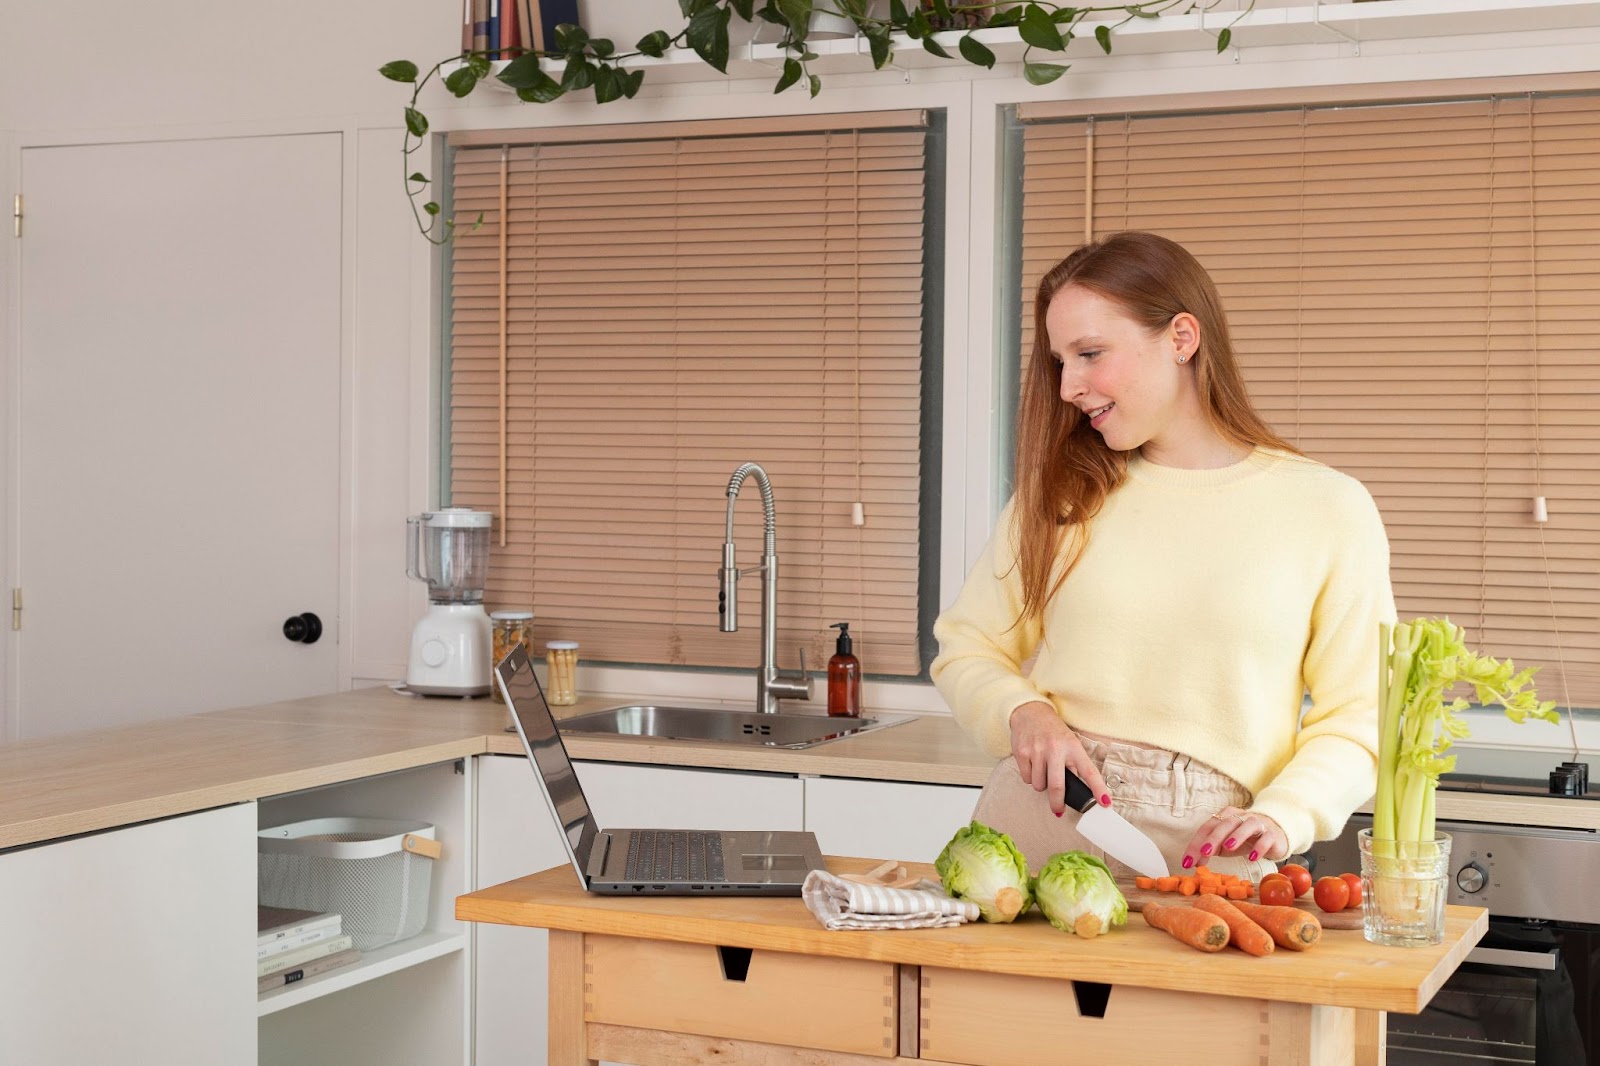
(1290, 927)
(1167, 884)
(1196, 928)
(1202, 871)
(1243, 933)
(1188, 886)
(1144, 882)
(1210, 888)
(1238, 892)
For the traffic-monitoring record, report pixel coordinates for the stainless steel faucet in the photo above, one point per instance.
(772, 684)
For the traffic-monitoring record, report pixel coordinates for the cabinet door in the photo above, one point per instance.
(626, 796)
(133, 945)
(516, 837)
(886, 819)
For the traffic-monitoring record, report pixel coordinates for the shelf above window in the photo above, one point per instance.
(1349, 24)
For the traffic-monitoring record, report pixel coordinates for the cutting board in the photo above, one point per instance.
(1350, 918)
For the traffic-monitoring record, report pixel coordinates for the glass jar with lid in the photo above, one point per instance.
(508, 629)
(561, 662)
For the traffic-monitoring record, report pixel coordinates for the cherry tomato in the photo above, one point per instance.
(1332, 894)
(1354, 881)
(1277, 892)
(1298, 876)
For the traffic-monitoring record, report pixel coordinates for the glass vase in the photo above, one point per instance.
(1404, 888)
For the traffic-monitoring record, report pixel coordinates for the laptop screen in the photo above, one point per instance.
(537, 727)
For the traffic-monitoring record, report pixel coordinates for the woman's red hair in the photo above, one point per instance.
(1064, 469)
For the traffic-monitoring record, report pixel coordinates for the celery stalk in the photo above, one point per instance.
(1418, 665)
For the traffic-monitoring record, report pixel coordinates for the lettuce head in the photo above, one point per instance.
(984, 866)
(1077, 894)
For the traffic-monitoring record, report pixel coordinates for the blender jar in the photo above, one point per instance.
(449, 549)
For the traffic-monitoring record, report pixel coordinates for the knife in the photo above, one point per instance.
(1112, 833)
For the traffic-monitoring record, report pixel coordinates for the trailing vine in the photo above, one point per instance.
(594, 63)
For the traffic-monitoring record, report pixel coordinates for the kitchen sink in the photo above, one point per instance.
(727, 726)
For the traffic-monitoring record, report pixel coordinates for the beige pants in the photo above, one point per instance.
(1168, 795)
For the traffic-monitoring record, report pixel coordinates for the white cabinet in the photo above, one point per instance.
(886, 819)
(517, 836)
(625, 796)
(132, 945)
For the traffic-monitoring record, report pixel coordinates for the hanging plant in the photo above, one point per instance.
(594, 63)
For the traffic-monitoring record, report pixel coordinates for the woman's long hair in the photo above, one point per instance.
(1064, 469)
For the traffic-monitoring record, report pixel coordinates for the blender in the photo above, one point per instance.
(449, 549)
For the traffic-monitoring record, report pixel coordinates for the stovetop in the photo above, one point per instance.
(1517, 771)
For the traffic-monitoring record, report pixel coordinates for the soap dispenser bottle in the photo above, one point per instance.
(844, 677)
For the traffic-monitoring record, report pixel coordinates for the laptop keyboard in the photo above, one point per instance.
(674, 855)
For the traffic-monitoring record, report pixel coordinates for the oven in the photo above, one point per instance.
(1530, 991)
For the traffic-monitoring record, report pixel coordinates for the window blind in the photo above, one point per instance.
(1412, 289)
(676, 306)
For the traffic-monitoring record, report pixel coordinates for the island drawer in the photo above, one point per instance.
(981, 1019)
(848, 1005)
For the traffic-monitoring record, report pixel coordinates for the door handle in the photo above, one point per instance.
(1526, 960)
(303, 628)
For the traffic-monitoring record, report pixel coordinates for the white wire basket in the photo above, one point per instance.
(374, 872)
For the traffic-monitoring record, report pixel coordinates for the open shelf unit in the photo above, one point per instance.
(1338, 24)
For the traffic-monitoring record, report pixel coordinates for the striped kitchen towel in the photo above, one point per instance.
(841, 904)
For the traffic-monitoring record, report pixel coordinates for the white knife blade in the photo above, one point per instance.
(1120, 839)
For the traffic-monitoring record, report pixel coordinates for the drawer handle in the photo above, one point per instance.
(735, 962)
(1092, 997)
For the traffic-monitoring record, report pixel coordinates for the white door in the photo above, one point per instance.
(132, 946)
(178, 469)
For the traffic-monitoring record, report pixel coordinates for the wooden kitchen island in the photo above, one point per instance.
(742, 981)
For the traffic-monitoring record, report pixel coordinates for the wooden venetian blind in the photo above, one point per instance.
(1414, 290)
(676, 306)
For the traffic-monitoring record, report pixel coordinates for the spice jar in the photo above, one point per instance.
(508, 629)
(561, 679)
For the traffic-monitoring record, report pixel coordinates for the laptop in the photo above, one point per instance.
(667, 862)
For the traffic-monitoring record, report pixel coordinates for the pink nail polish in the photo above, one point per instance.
(1060, 813)
(1254, 855)
(1105, 799)
(1188, 861)
(1205, 849)
(1230, 842)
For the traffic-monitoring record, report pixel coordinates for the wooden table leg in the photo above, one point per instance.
(1372, 1037)
(568, 1046)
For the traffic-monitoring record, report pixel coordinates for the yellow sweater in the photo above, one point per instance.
(1207, 604)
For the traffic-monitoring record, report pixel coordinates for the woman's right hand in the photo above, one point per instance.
(1043, 745)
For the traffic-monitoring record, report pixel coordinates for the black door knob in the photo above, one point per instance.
(303, 628)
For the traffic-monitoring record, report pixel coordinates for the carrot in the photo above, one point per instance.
(1187, 886)
(1166, 884)
(1210, 888)
(1244, 934)
(1202, 871)
(1291, 927)
(1144, 882)
(1238, 891)
(1196, 928)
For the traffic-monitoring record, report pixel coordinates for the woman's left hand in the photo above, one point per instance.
(1233, 831)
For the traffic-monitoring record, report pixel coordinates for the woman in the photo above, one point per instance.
(1183, 580)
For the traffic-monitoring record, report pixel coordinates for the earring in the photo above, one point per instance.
(1183, 358)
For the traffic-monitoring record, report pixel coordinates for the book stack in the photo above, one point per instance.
(504, 29)
(292, 945)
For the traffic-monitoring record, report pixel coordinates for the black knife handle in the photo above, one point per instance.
(1079, 798)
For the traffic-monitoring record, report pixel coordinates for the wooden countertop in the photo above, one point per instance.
(1343, 970)
(99, 779)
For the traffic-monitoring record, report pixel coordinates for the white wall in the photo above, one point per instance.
(158, 69)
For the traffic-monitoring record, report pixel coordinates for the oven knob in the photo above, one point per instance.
(1471, 878)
